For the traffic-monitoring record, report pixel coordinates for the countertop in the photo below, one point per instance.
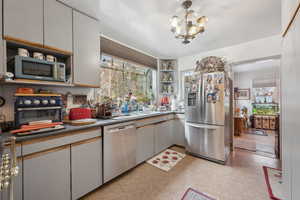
(99, 123)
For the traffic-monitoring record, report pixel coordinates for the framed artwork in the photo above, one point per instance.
(242, 94)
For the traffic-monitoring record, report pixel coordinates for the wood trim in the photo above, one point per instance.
(86, 85)
(86, 141)
(41, 153)
(291, 21)
(43, 139)
(153, 117)
(38, 45)
(25, 42)
(37, 82)
(39, 95)
(144, 126)
(60, 51)
(160, 122)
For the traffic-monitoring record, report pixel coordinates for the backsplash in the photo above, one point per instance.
(7, 92)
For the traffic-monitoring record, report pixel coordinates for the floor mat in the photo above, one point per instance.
(166, 160)
(273, 179)
(192, 194)
(257, 132)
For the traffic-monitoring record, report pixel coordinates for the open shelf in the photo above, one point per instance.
(36, 82)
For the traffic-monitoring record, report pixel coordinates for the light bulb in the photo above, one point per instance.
(193, 30)
(174, 21)
(178, 30)
(202, 20)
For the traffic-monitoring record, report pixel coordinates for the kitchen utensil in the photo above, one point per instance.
(58, 127)
(40, 122)
(51, 58)
(26, 128)
(80, 113)
(38, 55)
(23, 52)
(25, 91)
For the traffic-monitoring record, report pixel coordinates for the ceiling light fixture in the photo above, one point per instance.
(189, 25)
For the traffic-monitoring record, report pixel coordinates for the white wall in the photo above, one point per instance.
(244, 80)
(257, 49)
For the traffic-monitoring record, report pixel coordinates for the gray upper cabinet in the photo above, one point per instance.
(86, 50)
(24, 20)
(46, 175)
(86, 167)
(57, 25)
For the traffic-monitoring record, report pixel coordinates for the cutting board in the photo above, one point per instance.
(80, 122)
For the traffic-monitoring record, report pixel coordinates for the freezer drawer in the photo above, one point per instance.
(120, 145)
(206, 141)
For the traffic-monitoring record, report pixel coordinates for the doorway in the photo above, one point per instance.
(257, 107)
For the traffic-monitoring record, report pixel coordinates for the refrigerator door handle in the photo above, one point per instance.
(203, 126)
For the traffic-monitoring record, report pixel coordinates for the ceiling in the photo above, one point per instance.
(144, 25)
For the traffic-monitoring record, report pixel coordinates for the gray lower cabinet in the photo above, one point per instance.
(46, 175)
(86, 159)
(86, 50)
(163, 135)
(24, 19)
(57, 25)
(145, 143)
(178, 132)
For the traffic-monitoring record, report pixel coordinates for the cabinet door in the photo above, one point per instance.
(145, 143)
(57, 25)
(178, 132)
(46, 175)
(86, 167)
(86, 50)
(162, 136)
(24, 20)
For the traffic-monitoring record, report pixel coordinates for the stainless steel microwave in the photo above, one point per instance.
(35, 69)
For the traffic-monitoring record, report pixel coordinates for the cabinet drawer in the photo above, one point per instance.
(42, 144)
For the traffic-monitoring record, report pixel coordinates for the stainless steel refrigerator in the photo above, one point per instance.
(208, 112)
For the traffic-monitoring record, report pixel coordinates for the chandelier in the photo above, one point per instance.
(189, 24)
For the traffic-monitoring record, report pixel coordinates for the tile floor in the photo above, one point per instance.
(241, 179)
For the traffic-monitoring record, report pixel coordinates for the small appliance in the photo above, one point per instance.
(80, 113)
(37, 107)
(36, 69)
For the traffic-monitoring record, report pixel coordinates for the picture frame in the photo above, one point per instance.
(242, 94)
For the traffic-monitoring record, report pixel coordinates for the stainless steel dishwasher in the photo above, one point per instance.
(120, 143)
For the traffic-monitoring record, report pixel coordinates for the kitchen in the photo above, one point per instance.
(96, 111)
